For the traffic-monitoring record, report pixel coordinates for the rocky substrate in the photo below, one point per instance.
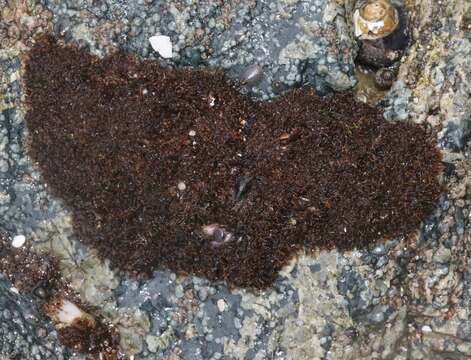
(402, 299)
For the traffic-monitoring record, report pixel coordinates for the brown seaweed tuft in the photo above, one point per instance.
(26, 270)
(148, 157)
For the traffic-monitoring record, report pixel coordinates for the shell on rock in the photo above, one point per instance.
(384, 78)
(66, 313)
(252, 74)
(375, 19)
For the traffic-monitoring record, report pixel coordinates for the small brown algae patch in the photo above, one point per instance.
(175, 169)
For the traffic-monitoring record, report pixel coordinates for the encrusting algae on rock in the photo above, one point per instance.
(175, 169)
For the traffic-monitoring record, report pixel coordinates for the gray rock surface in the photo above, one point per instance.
(400, 299)
(24, 333)
(291, 41)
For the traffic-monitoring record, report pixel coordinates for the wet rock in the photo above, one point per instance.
(378, 314)
(442, 255)
(19, 312)
(432, 88)
(464, 330)
(382, 261)
(456, 134)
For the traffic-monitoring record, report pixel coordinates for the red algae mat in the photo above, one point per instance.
(175, 169)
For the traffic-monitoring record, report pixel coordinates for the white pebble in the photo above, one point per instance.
(192, 133)
(221, 305)
(68, 312)
(181, 186)
(426, 329)
(18, 241)
(162, 45)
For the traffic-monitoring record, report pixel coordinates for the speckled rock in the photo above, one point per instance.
(406, 298)
(24, 333)
(292, 42)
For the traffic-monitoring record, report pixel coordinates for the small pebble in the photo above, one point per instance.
(162, 45)
(251, 75)
(221, 305)
(203, 294)
(18, 241)
(426, 329)
(181, 186)
(179, 291)
(192, 133)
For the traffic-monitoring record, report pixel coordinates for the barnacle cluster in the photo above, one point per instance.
(174, 168)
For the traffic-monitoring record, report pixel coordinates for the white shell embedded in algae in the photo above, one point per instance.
(66, 313)
(375, 19)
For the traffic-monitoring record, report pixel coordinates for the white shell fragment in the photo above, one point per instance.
(209, 230)
(18, 241)
(221, 305)
(162, 45)
(68, 312)
(252, 74)
(426, 329)
(181, 186)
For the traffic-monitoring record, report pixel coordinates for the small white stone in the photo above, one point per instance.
(192, 133)
(209, 230)
(18, 241)
(14, 290)
(181, 186)
(221, 305)
(68, 312)
(426, 329)
(162, 45)
(212, 100)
